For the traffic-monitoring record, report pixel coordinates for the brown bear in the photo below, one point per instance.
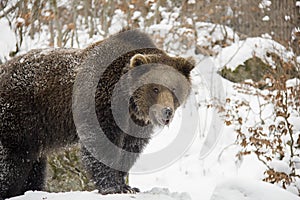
(43, 107)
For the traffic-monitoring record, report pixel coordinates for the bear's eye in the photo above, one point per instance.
(155, 90)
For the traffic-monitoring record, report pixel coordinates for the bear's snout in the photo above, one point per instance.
(161, 115)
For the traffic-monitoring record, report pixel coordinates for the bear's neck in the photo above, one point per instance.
(136, 116)
(139, 122)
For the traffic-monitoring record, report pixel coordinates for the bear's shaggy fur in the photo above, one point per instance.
(36, 109)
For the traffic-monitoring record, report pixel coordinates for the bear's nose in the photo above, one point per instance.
(167, 113)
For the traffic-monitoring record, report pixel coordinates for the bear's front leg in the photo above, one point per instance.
(107, 180)
(16, 165)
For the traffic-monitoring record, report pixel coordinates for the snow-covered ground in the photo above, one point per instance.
(239, 189)
(208, 168)
(230, 189)
(155, 193)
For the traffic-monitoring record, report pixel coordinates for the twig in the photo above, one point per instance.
(5, 12)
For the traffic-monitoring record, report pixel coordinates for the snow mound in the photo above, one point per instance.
(154, 194)
(280, 166)
(240, 51)
(241, 189)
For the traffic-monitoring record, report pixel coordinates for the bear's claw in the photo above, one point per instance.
(125, 189)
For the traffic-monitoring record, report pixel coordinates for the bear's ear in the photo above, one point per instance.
(138, 59)
(192, 61)
(186, 65)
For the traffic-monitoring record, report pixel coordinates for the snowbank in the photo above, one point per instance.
(241, 189)
(154, 194)
(240, 51)
(230, 189)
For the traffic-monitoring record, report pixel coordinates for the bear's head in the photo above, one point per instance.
(164, 86)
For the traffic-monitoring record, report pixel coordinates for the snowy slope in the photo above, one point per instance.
(154, 194)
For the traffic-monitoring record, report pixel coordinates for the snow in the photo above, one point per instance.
(20, 20)
(240, 51)
(264, 4)
(287, 17)
(266, 18)
(208, 33)
(280, 166)
(191, 1)
(241, 189)
(7, 41)
(136, 15)
(12, 2)
(154, 194)
(292, 82)
(229, 189)
(118, 22)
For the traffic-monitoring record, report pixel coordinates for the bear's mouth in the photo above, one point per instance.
(159, 120)
(164, 122)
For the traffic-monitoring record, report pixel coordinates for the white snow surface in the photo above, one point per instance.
(239, 189)
(229, 189)
(242, 50)
(280, 166)
(154, 194)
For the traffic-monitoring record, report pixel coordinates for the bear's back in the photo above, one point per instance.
(39, 69)
(36, 95)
